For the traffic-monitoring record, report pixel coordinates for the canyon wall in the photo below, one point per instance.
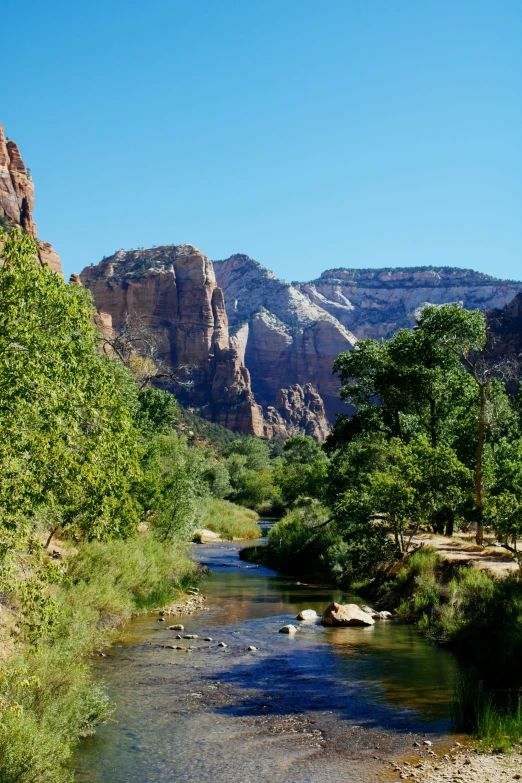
(171, 296)
(17, 199)
(283, 336)
(256, 351)
(378, 302)
(292, 333)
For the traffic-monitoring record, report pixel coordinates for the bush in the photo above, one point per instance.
(47, 695)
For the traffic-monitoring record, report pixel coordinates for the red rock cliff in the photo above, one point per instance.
(173, 290)
(17, 199)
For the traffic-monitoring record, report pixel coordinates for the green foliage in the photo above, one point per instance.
(495, 718)
(303, 470)
(229, 520)
(215, 434)
(429, 414)
(174, 480)
(255, 451)
(157, 410)
(68, 439)
(47, 695)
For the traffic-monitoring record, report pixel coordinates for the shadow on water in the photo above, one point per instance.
(325, 705)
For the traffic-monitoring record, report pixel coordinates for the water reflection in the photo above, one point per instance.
(326, 705)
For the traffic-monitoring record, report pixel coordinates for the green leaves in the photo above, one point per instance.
(68, 439)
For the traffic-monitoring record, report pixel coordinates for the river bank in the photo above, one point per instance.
(327, 705)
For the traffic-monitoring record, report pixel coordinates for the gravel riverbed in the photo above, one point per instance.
(461, 765)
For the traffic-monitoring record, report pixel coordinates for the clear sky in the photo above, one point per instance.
(309, 135)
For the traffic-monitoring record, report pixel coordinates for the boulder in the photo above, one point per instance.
(371, 612)
(307, 614)
(291, 629)
(385, 615)
(347, 615)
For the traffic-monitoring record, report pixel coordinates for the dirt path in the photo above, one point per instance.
(494, 559)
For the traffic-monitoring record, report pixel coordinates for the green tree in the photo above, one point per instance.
(157, 410)
(256, 451)
(68, 439)
(303, 470)
(462, 334)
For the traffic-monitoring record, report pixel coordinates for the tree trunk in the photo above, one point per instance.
(51, 534)
(478, 463)
(433, 424)
(450, 522)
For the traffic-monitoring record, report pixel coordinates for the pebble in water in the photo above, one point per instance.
(177, 627)
(221, 644)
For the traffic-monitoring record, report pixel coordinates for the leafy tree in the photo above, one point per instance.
(68, 440)
(157, 410)
(173, 483)
(432, 382)
(303, 470)
(463, 335)
(255, 450)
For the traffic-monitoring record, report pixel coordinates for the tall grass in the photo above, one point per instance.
(48, 698)
(495, 718)
(229, 520)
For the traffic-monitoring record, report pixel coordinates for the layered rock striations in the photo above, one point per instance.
(377, 302)
(172, 293)
(283, 337)
(259, 351)
(17, 199)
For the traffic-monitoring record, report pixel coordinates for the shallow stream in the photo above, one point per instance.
(324, 706)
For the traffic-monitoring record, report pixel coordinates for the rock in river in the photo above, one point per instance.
(347, 615)
(307, 614)
(288, 629)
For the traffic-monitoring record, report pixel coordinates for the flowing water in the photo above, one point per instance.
(326, 705)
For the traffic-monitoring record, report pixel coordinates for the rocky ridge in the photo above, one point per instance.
(377, 302)
(283, 337)
(297, 410)
(291, 334)
(172, 292)
(17, 199)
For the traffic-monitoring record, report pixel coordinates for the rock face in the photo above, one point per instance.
(377, 302)
(291, 334)
(347, 615)
(172, 290)
(297, 410)
(17, 199)
(284, 337)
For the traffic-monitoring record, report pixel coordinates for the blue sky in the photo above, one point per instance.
(308, 135)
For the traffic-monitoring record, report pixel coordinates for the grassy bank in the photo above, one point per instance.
(48, 698)
(229, 520)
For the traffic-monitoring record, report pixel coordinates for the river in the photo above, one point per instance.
(324, 706)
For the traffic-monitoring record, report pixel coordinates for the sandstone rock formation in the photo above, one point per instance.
(282, 336)
(291, 334)
(377, 302)
(297, 410)
(172, 292)
(17, 199)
